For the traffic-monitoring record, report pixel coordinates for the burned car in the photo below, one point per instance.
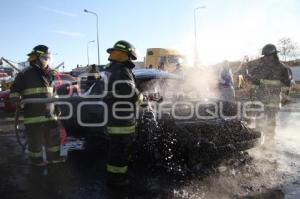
(172, 125)
(178, 123)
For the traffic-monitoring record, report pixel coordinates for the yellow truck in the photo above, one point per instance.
(168, 58)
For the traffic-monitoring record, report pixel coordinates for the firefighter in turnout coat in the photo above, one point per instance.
(269, 77)
(41, 125)
(121, 123)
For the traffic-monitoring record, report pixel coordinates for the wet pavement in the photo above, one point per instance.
(269, 171)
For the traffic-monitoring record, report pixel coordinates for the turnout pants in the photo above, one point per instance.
(268, 123)
(120, 146)
(43, 134)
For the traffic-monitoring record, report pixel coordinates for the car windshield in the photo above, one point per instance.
(172, 59)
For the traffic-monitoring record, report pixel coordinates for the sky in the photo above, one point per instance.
(226, 29)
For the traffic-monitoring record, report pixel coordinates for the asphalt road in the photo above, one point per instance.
(271, 171)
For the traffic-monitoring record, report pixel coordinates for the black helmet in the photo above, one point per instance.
(40, 50)
(125, 47)
(269, 49)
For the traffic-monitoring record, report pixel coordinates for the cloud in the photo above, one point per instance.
(68, 14)
(67, 33)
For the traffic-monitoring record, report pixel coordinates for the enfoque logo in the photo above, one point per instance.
(181, 110)
(122, 109)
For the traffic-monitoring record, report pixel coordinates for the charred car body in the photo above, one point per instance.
(172, 127)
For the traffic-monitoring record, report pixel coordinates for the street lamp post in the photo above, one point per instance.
(87, 51)
(87, 11)
(195, 34)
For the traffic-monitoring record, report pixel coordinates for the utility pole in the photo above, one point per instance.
(196, 58)
(93, 13)
(87, 51)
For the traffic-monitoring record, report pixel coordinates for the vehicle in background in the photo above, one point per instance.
(78, 71)
(3, 75)
(66, 85)
(9, 71)
(163, 57)
(5, 103)
(296, 77)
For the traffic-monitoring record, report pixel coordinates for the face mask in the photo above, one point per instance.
(45, 60)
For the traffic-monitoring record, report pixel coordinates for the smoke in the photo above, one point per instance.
(197, 84)
(271, 166)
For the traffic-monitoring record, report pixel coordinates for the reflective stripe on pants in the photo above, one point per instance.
(120, 130)
(35, 154)
(116, 169)
(53, 148)
(119, 153)
(47, 132)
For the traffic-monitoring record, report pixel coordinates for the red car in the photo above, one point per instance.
(3, 74)
(64, 85)
(5, 103)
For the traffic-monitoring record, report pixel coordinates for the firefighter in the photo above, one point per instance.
(121, 83)
(93, 76)
(39, 119)
(269, 77)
